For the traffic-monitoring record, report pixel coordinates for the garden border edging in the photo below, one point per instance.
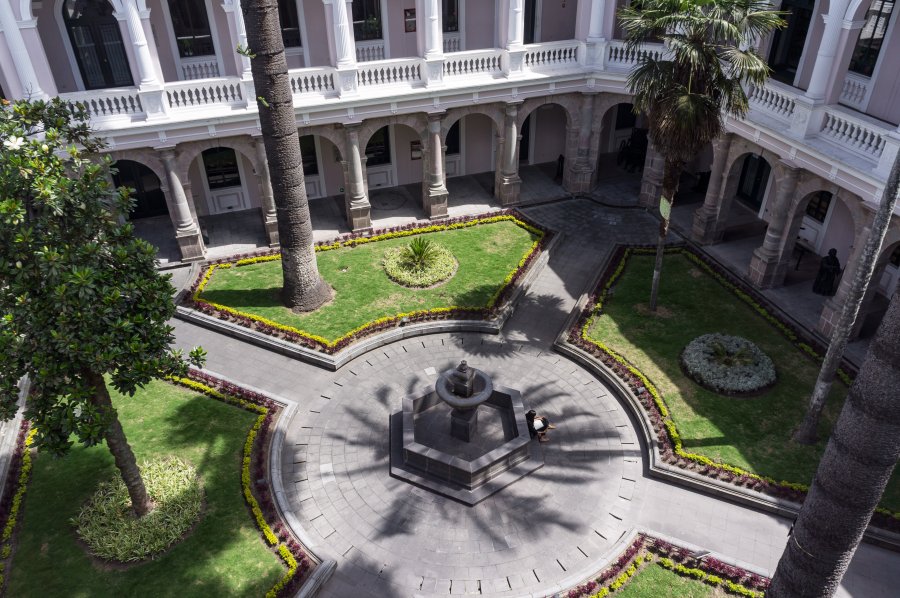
(656, 466)
(337, 360)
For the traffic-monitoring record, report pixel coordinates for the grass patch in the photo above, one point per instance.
(655, 581)
(486, 253)
(223, 556)
(751, 433)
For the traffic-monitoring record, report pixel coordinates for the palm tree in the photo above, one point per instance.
(852, 474)
(807, 432)
(304, 289)
(687, 92)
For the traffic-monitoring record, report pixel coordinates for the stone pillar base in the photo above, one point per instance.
(434, 202)
(190, 243)
(359, 218)
(705, 230)
(649, 195)
(464, 424)
(508, 190)
(831, 315)
(272, 231)
(766, 271)
(578, 180)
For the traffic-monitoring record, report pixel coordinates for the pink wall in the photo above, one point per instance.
(54, 46)
(330, 168)
(225, 46)
(408, 170)
(813, 37)
(548, 128)
(479, 136)
(840, 231)
(162, 41)
(403, 45)
(316, 43)
(557, 23)
(479, 25)
(885, 99)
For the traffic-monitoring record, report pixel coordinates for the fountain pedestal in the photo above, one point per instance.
(464, 424)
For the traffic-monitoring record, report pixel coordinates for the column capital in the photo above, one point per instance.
(167, 153)
(790, 169)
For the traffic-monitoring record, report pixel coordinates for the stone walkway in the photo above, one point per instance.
(392, 539)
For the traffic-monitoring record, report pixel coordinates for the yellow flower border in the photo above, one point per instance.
(669, 425)
(330, 345)
(13, 518)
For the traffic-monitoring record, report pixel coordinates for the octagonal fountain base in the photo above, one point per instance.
(425, 453)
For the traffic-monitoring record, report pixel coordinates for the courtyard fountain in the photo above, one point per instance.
(463, 437)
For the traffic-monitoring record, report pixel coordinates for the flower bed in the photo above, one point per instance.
(729, 365)
(316, 342)
(663, 427)
(646, 551)
(398, 269)
(255, 487)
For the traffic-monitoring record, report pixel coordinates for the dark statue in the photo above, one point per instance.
(829, 269)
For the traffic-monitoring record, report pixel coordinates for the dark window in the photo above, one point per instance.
(308, 151)
(366, 20)
(752, 184)
(451, 16)
(787, 43)
(378, 150)
(145, 189)
(453, 139)
(530, 21)
(625, 116)
(221, 166)
(290, 23)
(525, 141)
(97, 42)
(895, 258)
(871, 38)
(817, 208)
(191, 26)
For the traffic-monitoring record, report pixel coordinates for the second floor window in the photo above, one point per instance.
(871, 38)
(817, 208)
(451, 16)
(191, 26)
(290, 23)
(366, 20)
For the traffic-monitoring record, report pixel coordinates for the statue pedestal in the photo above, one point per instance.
(464, 424)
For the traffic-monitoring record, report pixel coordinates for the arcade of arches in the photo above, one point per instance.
(778, 208)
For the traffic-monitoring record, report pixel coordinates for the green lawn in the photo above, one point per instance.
(752, 433)
(223, 556)
(363, 292)
(655, 581)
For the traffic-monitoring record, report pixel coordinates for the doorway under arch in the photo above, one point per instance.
(146, 189)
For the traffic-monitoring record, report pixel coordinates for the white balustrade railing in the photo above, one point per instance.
(773, 99)
(389, 72)
(203, 94)
(199, 67)
(551, 55)
(619, 55)
(855, 91)
(452, 42)
(108, 103)
(313, 80)
(850, 132)
(370, 50)
(474, 62)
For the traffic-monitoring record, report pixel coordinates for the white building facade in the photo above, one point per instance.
(391, 92)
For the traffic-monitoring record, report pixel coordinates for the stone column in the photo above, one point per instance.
(706, 218)
(235, 17)
(434, 189)
(651, 180)
(433, 51)
(769, 263)
(344, 46)
(827, 53)
(579, 169)
(510, 183)
(514, 58)
(150, 88)
(589, 27)
(268, 199)
(29, 83)
(187, 233)
(834, 306)
(358, 208)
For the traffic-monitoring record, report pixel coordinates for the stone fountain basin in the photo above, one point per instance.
(482, 391)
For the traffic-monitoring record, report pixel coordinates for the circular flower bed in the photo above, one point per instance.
(107, 523)
(728, 365)
(440, 266)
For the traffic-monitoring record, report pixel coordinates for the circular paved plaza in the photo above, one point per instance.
(391, 538)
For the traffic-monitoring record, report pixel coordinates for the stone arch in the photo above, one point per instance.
(857, 10)
(570, 103)
(190, 150)
(454, 115)
(810, 184)
(331, 133)
(417, 122)
(740, 150)
(146, 156)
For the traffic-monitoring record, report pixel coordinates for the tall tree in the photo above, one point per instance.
(852, 475)
(807, 433)
(304, 289)
(81, 300)
(688, 90)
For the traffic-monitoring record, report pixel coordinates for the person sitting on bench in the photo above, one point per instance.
(538, 425)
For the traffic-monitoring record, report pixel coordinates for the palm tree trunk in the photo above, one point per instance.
(671, 174)
(807, 432)
(304, 289)
(852, 474)
(119, 447)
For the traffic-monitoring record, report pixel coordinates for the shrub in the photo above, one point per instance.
(727, 364)
(421, 263)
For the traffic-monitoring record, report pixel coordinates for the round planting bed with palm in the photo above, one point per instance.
(728, 365)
